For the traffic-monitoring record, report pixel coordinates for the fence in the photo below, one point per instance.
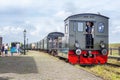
(114, 53)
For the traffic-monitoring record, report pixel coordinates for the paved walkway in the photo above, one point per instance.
(40, 66)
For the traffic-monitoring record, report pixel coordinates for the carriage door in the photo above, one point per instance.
(79, 28)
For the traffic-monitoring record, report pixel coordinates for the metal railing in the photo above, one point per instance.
(114, 53)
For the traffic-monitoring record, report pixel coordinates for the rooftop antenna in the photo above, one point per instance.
(98, 13)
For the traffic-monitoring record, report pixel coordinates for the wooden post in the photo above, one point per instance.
(119, 51)
(110, 51)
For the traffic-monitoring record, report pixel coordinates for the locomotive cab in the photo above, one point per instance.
(86, 38)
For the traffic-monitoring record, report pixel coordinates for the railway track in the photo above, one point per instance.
(114, 57)
(113, 65)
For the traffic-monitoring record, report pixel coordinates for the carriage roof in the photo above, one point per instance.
(55, 34)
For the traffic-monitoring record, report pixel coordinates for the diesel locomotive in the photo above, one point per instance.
(85, 40)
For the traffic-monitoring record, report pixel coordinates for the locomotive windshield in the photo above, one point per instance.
(80, 26)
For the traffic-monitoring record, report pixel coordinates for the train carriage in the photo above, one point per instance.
(83, 44)
(54, 42)
(29, 46)
(39, 45)
(51, 42)
(45, 43)
(42, 45)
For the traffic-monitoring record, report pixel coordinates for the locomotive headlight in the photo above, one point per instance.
(77, 45)
(104, 51)
(102, 45)
(78, 51)
(90, 53)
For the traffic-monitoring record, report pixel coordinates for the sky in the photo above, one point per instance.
(40, 17)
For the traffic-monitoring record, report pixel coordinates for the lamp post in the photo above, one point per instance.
(24, 32)
(27, 44)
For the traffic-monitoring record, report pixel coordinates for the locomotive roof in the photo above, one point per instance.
(55, 34)
(87, 14)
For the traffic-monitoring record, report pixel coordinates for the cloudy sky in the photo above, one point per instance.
(39, 17)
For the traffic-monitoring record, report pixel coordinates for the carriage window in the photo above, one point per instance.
(74, 26)
(101, 27)
(80, 26)
(66, 28)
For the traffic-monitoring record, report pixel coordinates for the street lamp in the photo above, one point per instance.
(24, 32)
(27, 44)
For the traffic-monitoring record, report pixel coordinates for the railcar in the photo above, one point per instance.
(42, 45)
(32, 46)
(39, 45)
(36, 44)
(54, 42)
(29, 46)
(82, 44)
(45, 44)
(51, 42)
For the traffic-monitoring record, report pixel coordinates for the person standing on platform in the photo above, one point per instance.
(6, 50)
(18, 48)
(2, 50)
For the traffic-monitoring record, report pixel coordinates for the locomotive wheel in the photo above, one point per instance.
(66, 60)
(54, 53)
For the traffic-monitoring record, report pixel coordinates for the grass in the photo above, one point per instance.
(107, 72)
(115, 45)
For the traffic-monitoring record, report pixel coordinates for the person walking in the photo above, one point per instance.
(18, 48)
(2, 50)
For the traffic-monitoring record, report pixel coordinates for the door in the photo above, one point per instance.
(77, 34)
(79, 29)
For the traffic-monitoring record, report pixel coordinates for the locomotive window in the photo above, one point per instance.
(74, 26)
(66, 28)
(80, 26)
(101, 27)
